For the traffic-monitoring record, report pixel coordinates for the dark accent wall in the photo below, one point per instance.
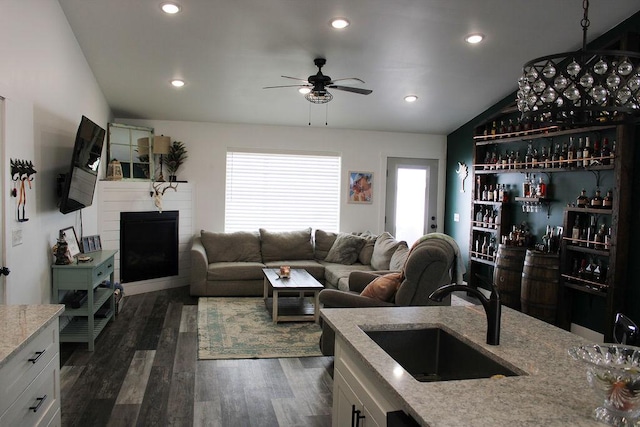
(460, 149)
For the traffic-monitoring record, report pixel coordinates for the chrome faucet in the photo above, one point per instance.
(491, 307)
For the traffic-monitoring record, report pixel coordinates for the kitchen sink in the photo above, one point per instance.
(433, 354)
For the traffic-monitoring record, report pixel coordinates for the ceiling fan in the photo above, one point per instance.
(316, 86)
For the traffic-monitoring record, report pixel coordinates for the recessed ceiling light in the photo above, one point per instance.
(339, 23)
(177, 83)
(411, 98)
(171, 8)
(474, 38)
(304, 90)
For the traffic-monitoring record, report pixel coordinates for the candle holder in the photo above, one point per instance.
(285, 272)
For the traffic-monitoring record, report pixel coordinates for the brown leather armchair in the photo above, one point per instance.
(434, 261)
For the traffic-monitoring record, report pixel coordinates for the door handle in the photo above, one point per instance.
(4, 271)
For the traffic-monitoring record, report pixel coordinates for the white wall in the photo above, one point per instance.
(48, 86)
(207, 144)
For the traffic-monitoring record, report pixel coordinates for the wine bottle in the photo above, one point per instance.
(607, 202)
(586, 153)
(579, 151)
(605, 152)
(571, 153)
(591, 232)
(576, 231)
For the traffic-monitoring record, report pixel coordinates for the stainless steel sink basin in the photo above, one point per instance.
(433, 354)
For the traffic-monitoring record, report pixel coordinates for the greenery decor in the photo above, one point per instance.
(175, 158)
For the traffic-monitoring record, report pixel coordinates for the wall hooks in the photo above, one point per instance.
(22, 171)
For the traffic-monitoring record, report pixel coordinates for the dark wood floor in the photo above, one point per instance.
(144, 372)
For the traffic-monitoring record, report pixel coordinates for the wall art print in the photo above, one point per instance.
(360, 187)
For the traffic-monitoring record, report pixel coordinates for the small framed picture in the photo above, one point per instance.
(91, 244)
(71, 238)
(360, 187)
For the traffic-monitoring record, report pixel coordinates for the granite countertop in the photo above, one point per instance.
(553, 391)
(20, 323)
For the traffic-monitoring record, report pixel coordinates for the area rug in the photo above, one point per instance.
(241, 328)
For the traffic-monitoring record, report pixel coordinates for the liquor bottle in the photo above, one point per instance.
(484, 247)
(511, 128)
(542, 188)
(563, 163)
(612, 156)
(556, 157)
(479, 217)
(607, 202)
(494, 129)
(581, 270)
(582, 201)
(489, 223)
(600, 237)
(517, 160)
(528, 157)
(576, 231)
(605, 152)
(478, 188)
(487, 161)
(571, 153)
(503, 129)
(591, 232)
(607, 239)
(588, 270)
(544, 157)
(526, 186)
(595, 153)
(494, 161)
(597, 272)
(545, 238)
(485, 194)
(534, 159)
(579, 151)
(500, 193)
(495, 194)
(586, 153)
(490, 193)
(596, 201)
(485, 218)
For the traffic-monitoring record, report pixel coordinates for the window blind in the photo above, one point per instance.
(282, 192)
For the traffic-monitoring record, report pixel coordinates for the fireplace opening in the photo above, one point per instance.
(148, 245)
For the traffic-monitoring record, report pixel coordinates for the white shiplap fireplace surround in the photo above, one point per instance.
(133, 196)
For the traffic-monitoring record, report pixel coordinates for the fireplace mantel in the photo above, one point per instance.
(115, 197)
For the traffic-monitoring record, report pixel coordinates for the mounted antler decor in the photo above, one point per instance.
(158, 191)
(21, 171)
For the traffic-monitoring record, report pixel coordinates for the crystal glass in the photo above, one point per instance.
(613, 372)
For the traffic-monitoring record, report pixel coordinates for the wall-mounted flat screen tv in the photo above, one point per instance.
(80, 181)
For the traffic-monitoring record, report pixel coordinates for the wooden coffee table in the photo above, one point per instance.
(287, 308)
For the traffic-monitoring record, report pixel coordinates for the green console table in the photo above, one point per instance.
(87, 322)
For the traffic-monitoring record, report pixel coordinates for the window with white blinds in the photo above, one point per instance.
(282, 192)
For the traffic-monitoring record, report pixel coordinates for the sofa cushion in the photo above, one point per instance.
(324, 240)
(286, 245)
(399, 257)
(235, 271)
(334, 272)
(241, 246)
(364, 257)
(383, 288)
(345, 249)
(383, 250)
(313, 267)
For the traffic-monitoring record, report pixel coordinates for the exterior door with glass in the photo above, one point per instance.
(412, 198)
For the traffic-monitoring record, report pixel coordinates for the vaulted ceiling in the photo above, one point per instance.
(227, 51)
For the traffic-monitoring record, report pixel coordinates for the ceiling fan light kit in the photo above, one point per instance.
(340, 23)
(170, 8)
(581, 88)
(314, 88)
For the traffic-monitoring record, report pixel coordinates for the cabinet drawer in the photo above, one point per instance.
(19, 371)
(39, 402)
(103, 271)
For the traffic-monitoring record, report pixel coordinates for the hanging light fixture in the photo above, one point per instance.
(319, 96)
(581, 88)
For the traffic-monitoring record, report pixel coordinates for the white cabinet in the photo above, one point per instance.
(358, 399)
(30, 372)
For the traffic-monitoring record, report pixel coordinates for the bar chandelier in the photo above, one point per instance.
(581, 88)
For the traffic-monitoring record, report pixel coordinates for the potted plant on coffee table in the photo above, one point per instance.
(175, 158)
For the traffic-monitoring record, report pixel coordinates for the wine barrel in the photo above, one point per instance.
(540, 285)
(507, 274)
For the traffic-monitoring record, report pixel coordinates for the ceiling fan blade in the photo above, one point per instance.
(353, 79)
(275, 87)
(295, 78)
(352, 89)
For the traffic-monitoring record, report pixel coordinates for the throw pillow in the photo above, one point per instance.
(345, 249)
(399, 257)
(383, 288)
(241, 246)
(286, 245)
(383, 250)
(324, 241)
(367, 250)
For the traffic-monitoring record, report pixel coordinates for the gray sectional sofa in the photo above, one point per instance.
(230, 264)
